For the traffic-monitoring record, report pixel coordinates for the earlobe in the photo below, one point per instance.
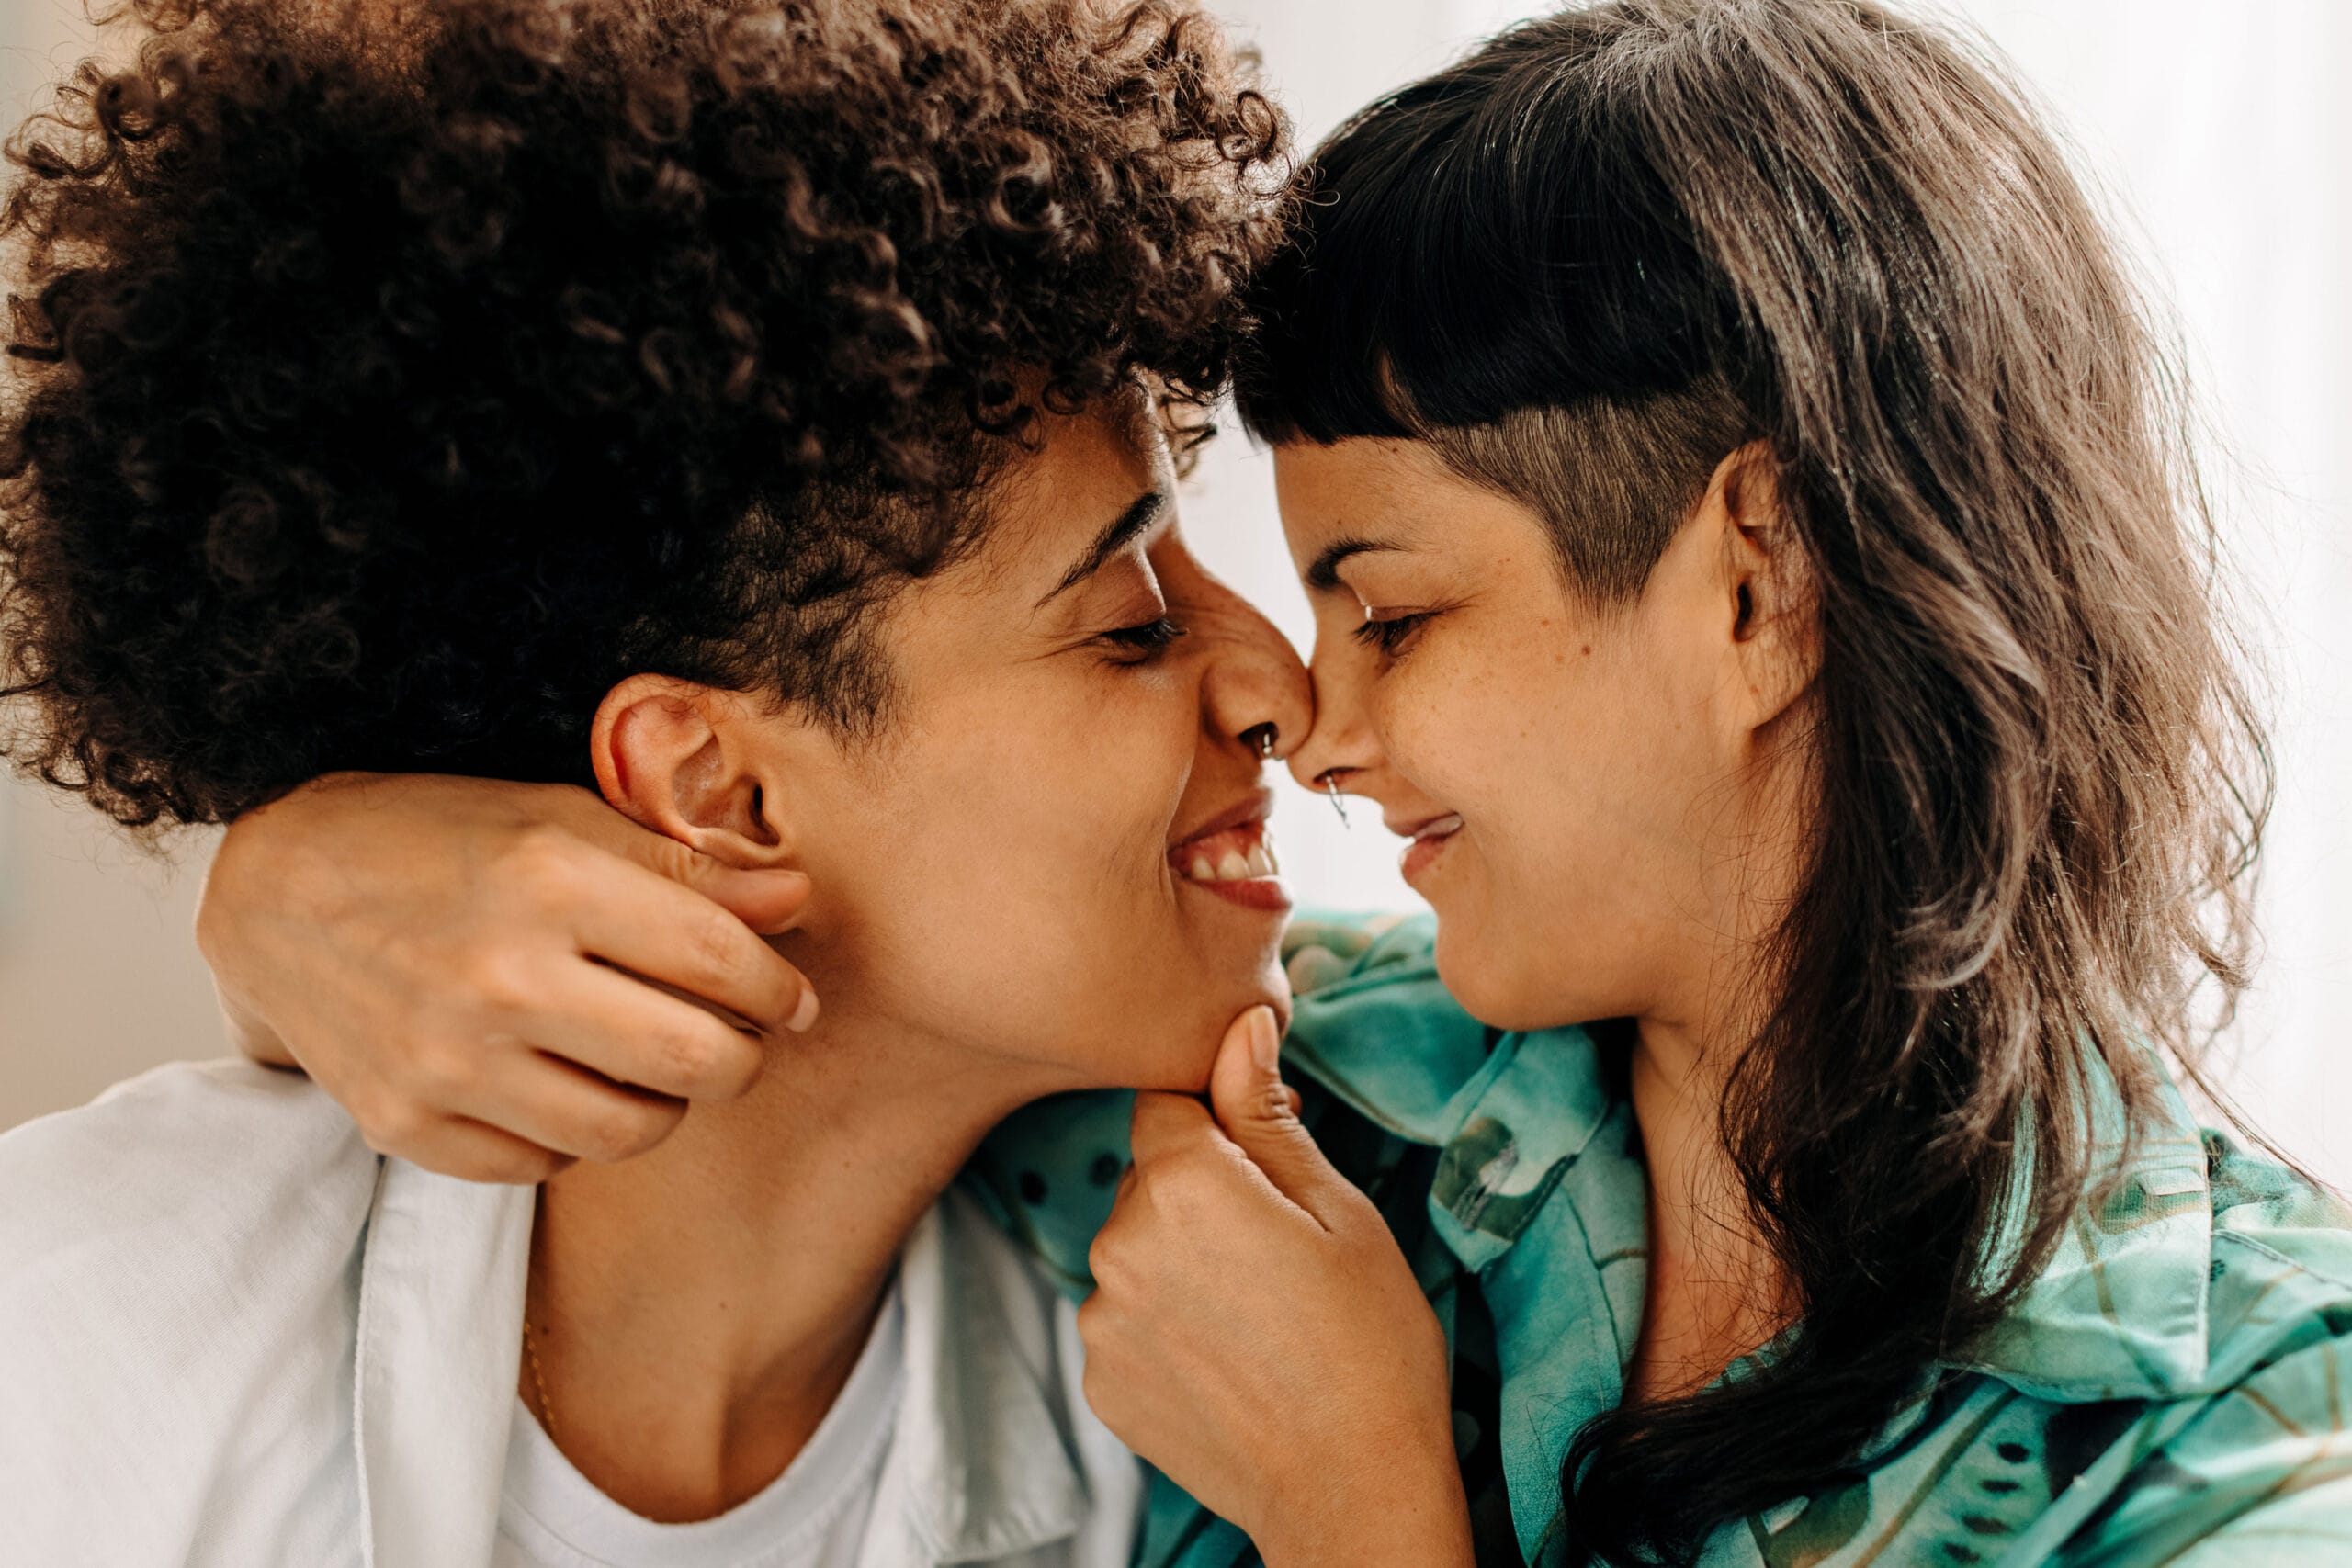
(670, 755)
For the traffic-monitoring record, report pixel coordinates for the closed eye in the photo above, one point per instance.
(1390, 636)
(1141, 644)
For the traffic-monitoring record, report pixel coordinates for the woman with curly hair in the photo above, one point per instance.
(757, 412)
(1758, 568)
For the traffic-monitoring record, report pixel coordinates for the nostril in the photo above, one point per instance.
(1261, 739)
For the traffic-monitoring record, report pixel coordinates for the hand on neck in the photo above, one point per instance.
(697, 1309)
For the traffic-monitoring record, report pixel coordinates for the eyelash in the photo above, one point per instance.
(1141, 645)
(1390, 636)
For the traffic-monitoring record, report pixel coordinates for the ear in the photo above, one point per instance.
(678, 757)
(1768, 583)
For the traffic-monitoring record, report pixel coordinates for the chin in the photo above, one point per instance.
(1499, 992)
(1184, 1068)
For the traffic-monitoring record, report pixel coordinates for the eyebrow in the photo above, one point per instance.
(1130, 524)
(1323, 577)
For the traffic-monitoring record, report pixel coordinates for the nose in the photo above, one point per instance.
(1342, 743)
(1254, 691)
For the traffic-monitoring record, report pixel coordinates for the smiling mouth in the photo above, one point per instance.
(1235, 864)
(1428, 839)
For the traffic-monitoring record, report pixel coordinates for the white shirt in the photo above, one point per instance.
(813, 1516)
(232, 1334)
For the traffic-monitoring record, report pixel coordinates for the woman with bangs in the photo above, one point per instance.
(1758, 568)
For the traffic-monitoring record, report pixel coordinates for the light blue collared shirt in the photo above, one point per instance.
(232, 1334)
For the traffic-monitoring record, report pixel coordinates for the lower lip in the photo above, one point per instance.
(1423, 853)
(1265, 893)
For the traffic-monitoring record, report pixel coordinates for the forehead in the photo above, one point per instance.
(1078, 473)
(1398, 490)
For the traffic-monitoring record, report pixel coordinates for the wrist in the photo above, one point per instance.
(249, 1036)
(1384, 1520)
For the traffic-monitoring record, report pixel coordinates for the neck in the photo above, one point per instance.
(1716, 1292)
(1715, 1289)
(695, 1311)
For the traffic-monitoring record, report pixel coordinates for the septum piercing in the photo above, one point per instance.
(1269, 736)
(1329, 780)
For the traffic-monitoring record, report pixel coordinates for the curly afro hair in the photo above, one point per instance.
(394, 377)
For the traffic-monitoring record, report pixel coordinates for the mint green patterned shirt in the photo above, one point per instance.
(2173, 1390)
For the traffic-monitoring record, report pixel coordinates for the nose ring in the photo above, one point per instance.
(1264, 739)
(1329, 779)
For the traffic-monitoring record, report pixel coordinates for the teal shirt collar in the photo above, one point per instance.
(1541, 1192)
(1515, 1112)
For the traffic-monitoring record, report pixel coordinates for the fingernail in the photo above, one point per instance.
(804, 1014)
(1265, 1041)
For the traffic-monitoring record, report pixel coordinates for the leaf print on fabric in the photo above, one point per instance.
(1482, 1182)
(1828, 1524)
(2077, 1434)
(2147, 1199)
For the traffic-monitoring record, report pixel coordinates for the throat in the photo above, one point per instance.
(1698, 1315)
(670, 1457)
(694, 1313)
(1714, 1290)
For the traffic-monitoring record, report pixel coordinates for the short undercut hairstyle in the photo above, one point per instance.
(1617, 245)
(394, 376)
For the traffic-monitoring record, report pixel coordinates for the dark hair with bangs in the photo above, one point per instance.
(1589, 262)
(393, 377)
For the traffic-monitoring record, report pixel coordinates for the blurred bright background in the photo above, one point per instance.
(2220, 140)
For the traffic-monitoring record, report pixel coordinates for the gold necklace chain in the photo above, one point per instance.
(538, 1378)
(530, 1336)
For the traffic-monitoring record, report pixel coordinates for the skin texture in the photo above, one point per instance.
(505, 971)
(1667, 734)
(986, 892)
(1648, 757)
(1033, 782)
(1254, 1334)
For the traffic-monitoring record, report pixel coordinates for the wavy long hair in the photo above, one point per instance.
(1590, 260)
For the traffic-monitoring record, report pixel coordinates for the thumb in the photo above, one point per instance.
(766, 899)
(1259, 1112)
(768, 902)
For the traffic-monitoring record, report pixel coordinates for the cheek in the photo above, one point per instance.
(1032, 837)
(1576, 777)
(1020, 900)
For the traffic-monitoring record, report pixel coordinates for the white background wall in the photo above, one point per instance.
(2221, 136)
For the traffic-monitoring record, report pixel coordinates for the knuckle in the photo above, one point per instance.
(525, 1168)
(617, 1132)
(446, 1073)
(689, 1055)
(390, 1124)
(714, 940)
(538, 860)
(499, 981)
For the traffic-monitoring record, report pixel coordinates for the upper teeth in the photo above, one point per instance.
(1234, 865)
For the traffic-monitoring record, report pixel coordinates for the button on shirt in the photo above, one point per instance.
(2173, 1390)
(232, 1334)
